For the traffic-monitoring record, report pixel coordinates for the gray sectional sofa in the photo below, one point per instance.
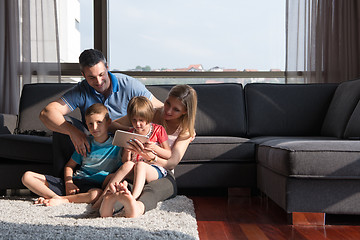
(297, 143)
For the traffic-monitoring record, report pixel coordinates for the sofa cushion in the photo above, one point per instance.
(34, 98)
(263, 139)
(352, 130)
(26, 148)
(219, 149)
(221, 108)
(286, 109)
(342, 105)
(311, 158)
(7, 123)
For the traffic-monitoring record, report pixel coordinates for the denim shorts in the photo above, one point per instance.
(57, 185)
(161, 171)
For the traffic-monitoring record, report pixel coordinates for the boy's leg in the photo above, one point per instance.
(37, 183)
(89, 197)
(143, 172)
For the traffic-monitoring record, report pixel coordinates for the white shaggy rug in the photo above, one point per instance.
(21, 219)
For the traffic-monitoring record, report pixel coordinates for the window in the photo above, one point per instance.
(166, 37)
(75, 28)
(76, 33)
(179, 41)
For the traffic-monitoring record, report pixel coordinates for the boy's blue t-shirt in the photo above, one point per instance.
(103, 159)
(123, 89)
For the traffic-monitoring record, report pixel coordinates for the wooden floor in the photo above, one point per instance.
(223, 217)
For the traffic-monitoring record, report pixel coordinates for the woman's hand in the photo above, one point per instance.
(150, 146)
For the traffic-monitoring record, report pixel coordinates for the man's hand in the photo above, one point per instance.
(80, 141)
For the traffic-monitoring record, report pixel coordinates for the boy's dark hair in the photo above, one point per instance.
(91, 57)
(97, 108)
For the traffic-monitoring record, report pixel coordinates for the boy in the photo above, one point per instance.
(84, 185)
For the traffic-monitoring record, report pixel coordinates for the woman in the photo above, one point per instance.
(178, 117)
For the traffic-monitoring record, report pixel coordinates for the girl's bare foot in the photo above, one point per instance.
(112, 187)
(132, 207)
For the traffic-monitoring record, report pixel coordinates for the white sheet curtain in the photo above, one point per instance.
(9, 57)
(29, 48)
(323, 40)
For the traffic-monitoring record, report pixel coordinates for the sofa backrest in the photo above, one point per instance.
(345, 99)
(287, 109)
(352, 130)
(34, 98)
(221, 108)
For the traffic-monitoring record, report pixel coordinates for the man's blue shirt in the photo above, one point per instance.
(123, 89)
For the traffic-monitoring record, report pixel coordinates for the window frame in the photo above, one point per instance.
(101, 43)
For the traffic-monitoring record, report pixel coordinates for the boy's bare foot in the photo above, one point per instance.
(40, 200)
(55, 201)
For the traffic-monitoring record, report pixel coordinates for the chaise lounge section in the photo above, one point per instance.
(296, 143)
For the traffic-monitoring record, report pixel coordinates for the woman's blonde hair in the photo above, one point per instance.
(142, 107)
(187, 95)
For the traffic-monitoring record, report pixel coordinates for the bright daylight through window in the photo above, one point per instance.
(187, 35)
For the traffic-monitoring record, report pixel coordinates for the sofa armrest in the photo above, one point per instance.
(8, 123)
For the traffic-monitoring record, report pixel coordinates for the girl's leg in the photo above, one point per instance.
(37, 183)
(154, 192)
(143, 172)
(120, 174)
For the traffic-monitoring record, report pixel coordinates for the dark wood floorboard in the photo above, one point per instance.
(222, 217)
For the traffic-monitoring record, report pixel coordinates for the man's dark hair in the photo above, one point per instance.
(91, 57)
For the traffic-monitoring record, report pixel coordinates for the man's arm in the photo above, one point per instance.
(53, 118)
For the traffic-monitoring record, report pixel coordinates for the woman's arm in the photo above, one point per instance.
(122, 123)
(177, 153)
(162, 150)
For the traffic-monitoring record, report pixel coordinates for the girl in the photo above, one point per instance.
(140, 112)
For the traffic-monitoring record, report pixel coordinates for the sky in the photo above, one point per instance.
(233, 34)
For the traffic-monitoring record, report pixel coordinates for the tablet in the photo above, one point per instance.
(121, 138)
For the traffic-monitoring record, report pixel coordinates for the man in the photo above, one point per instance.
(99, 86)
